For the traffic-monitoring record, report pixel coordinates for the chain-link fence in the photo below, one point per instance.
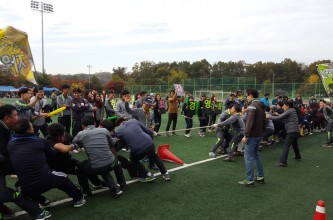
(232, 84)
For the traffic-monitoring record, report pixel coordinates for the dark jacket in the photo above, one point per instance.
(256, 119)
(291, 122)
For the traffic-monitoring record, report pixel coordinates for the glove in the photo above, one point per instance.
(154, 133)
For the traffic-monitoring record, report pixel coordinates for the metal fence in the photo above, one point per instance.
(232, 84)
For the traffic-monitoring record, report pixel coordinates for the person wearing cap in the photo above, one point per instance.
(142, 114)
(64, 100)
(24, 107)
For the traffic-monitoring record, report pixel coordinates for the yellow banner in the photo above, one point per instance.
(15, 53)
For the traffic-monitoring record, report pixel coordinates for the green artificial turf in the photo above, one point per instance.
(210, 190)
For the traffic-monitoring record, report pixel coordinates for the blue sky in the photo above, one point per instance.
(107, 34)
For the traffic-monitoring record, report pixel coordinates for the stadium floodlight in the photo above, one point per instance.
(42, 8)
(89, 67)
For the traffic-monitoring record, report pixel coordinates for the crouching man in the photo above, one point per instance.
(137, 138)
(98, 143)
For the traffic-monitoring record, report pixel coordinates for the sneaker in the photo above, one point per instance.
(45, 204)
(246, 183)
(174, 134)
(229, 159)
(75, 151)
(166, 177)
(167, 134)
(116, 193)
(79, 203)
(211, 154)
(44, 215)
(187, 135)
(260, 179)
(326, 145)
(147, 179)
(298, 158)
(280, 164)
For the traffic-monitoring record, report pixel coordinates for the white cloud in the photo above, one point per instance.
(113, 33)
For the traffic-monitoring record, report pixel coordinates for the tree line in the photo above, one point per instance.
(151, 73)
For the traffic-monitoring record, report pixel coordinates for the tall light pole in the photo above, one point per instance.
(273, 85)
(42, 8)
(89, 67)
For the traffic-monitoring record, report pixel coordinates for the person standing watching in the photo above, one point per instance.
(173, 101)
(64, 100)
(110, 104)
(78, 106)
(39, 123)
(254, 128)
(328, 115)
(24, 107)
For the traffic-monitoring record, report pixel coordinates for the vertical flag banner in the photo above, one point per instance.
(15, 53)
(326, 74)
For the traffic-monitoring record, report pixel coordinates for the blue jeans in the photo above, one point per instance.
(252, 153)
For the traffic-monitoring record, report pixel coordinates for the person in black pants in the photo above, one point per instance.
(64, 100)
(292, 129)
(28, 154)
(189, 111)
(8, 118)
(202, 115)
(98, 145)
(158, 112)
(137, 137)
(61, 160)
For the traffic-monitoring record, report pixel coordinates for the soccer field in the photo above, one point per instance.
(210, 191)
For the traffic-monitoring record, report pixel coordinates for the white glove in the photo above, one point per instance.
(154, 133)
(215, 125)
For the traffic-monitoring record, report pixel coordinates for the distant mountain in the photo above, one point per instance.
(104, 77)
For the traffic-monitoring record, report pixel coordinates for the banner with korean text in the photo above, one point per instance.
(15, 53)
(326, 74)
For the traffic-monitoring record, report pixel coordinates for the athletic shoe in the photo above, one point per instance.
(211, 154)
(174, 134)
(45, 204)
(44, 215)
(246, 183)
(280, 164)
(298, 158)
(229, 159)
(187, 135)
(147, 179)
(167, 134)
(166, 177)
(260, 179)
(79, 203)
(116, 193)
(326, 145)
(75, 151)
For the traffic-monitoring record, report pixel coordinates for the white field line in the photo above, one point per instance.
(129, 182)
